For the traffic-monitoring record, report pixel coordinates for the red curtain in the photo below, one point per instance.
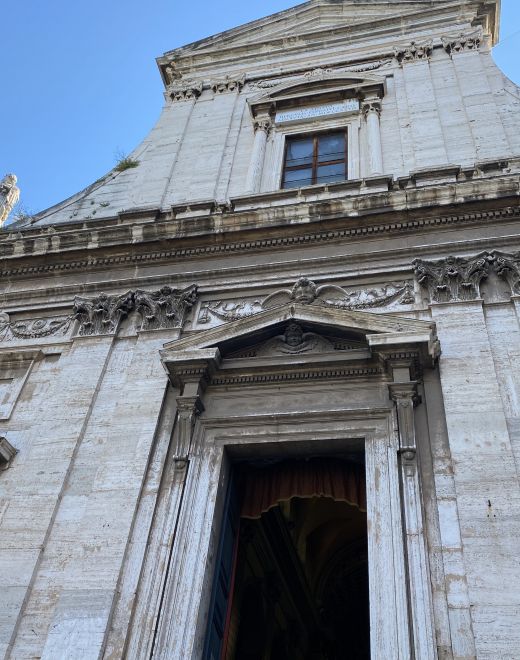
(316, 477)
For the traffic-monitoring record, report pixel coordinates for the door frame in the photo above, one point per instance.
(183, 624)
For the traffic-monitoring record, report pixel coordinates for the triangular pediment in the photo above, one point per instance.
(310, 20)
(378, 330)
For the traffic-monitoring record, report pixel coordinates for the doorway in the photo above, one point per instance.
(292, 573)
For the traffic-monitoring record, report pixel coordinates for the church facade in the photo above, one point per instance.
(260, 386)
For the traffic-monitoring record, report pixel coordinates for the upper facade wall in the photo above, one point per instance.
(443, 101)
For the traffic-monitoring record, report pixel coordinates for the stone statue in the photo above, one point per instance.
(9, 195)
(295, 341)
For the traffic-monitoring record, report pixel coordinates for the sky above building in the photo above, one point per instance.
(80, 86)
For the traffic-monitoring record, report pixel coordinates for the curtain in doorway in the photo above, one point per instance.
(316, 477)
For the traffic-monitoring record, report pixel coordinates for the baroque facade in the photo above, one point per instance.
(260, 394)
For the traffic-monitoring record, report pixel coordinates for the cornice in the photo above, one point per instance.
(339, 373)
(264, 244)
(268, 220)
(432, 19)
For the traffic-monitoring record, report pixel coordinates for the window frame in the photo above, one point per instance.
(316, 163)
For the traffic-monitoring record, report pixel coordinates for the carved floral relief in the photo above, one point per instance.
(33, 328)
(307, 292)
(166, 308)
(460, 278)
(415, 52)
(319, 74)
(462, 42)
(101, 315)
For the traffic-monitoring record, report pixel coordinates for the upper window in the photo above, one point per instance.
(318, 158)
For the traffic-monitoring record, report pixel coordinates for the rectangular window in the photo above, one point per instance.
(319, 158)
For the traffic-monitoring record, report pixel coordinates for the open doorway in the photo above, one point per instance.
(292, 575)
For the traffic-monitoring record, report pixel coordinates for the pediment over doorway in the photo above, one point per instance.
(319, 334)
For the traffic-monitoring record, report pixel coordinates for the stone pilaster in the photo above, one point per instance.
(372, 110)
(262, 126)
(404, 395)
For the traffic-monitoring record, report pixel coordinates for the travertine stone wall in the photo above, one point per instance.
(486, 478)
(442, 110)
(107, 536)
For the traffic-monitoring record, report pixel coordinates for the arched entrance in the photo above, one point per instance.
(298, 587)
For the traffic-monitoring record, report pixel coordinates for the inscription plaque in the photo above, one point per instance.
(350, 105)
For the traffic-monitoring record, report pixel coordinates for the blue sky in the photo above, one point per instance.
(80, 84)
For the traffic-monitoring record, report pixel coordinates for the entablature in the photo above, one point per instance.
(378, 205)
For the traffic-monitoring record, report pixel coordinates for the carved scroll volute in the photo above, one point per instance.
(405, 397)
(188, 408)
(190, 372)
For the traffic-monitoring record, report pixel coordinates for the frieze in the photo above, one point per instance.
(462, 42)
(459, 278)
(166, 308)
(101, 315)
(306, 291)
(298, 375)
(319, 74)
(389, 228)
(36, 328)
(415, 52)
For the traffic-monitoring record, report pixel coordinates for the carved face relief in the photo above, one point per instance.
(295, 341)
(293, 335)
(304, 291)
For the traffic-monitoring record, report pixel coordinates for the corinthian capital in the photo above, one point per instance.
(414, 52)
(371, 106)
(453, 278)
(263, 124)
(101, 315)
(462, 42)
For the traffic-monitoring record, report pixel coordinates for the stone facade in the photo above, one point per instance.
(144, 337)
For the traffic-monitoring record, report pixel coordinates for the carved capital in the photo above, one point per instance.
(263, 124)
(462, 42)
(7, 453)
(453, 278)
(372, 106)
(102, 315)
(187, 92)
(166, 308)
(507, 267)
(228, 85)
(415, 52)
